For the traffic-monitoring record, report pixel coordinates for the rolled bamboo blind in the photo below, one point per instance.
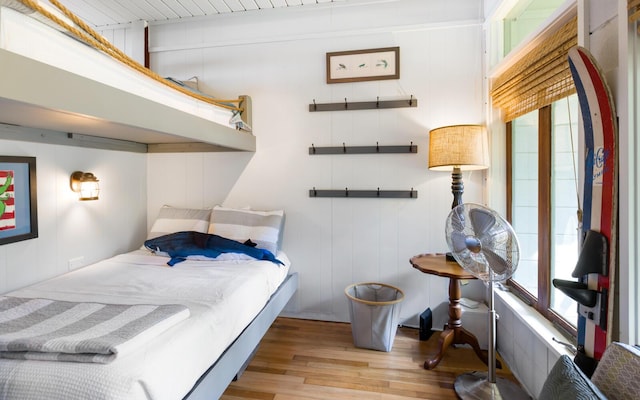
(633, 8)
(541, 77)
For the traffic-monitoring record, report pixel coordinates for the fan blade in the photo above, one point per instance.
(481, 220)
(498, 264)
(458, 241)
(457, 218)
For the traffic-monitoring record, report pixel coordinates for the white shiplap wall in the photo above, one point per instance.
(68, 228)
(333, 242)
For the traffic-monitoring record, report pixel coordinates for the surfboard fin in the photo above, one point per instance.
(594, 255)
(578, 291)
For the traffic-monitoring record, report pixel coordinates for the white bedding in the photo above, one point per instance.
(222, 296)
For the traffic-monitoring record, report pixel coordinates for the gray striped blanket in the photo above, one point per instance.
(43, 329)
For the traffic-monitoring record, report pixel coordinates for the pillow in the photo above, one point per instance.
(567, 381)
(261, 227)
(173, 219)
(618, 372)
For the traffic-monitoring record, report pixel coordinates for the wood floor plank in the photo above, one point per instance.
(316, 360)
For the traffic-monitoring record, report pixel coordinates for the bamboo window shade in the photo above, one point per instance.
(633, 7)
(539, 78)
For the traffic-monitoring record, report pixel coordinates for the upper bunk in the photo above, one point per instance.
(52, 81)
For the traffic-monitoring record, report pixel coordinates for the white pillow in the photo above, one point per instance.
(261, 227)
(174, 219)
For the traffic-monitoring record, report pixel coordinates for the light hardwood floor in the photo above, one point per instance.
(302, 359)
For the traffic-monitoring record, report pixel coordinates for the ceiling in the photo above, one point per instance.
(104, 13)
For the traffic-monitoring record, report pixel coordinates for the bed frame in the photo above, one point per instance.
(232, 362)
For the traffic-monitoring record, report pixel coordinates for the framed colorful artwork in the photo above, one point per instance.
(363, 65)
(18, 201)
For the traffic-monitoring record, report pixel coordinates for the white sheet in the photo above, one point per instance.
(222, 296)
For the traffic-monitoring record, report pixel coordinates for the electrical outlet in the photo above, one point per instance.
(75, 263)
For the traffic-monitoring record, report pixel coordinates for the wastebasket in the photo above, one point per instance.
(374, 309)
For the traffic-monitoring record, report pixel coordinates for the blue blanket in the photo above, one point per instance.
(181, 245)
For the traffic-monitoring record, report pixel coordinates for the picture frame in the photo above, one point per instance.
(18, 199)
(363, 65)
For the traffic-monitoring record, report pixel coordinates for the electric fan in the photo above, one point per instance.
(485, 245)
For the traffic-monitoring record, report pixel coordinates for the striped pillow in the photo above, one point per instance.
(261, 227)
(173, 219)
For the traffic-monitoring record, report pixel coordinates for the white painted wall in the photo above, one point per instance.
(280, 62)
(69, 228)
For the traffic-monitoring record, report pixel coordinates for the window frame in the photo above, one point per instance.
(542, 301)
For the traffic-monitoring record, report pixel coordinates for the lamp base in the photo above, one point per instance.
(475, 386)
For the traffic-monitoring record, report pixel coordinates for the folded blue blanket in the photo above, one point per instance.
(181, 245)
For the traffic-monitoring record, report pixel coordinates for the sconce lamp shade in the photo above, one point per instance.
(462, 146)
(85, 184)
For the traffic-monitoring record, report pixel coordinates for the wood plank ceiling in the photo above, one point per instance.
(104, 13)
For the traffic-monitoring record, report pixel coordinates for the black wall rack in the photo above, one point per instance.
(363, 105)
(376, 193)
(377, 149)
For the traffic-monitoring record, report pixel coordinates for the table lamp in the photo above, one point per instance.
(458, 148)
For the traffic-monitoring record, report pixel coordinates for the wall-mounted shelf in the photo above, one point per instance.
(363, 105)
(376, 193)
(377, 149)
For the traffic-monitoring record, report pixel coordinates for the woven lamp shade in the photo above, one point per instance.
(463, 146)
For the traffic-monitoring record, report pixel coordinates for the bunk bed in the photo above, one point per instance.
(203, 314)
(57, 79)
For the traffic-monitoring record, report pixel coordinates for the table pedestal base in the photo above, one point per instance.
(453, 336)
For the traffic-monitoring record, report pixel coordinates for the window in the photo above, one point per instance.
(536, 96)
(543, 204)
(524, 18)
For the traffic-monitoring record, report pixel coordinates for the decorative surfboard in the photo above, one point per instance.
(596, 264)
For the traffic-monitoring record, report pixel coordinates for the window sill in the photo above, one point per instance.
(539, 326)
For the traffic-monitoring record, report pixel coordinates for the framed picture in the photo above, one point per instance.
(363, 65)
(18, 202)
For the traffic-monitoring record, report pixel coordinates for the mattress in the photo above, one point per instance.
(222, 296)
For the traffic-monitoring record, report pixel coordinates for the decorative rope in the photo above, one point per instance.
(91, 37)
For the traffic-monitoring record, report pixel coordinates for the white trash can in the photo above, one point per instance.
(374, 309)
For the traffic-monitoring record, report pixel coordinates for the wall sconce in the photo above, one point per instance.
(85, 184)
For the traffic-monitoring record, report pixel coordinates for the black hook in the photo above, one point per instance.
(346, 192)
(377, 149)
(378, 193)
(411, 100)
(315, 192)
(377, 101)
(345, 103)
(344, 148)
(313, 147)
(411, 193)
(411, 147)
(315, 106)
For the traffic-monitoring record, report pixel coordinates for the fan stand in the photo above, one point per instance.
(480, 385)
